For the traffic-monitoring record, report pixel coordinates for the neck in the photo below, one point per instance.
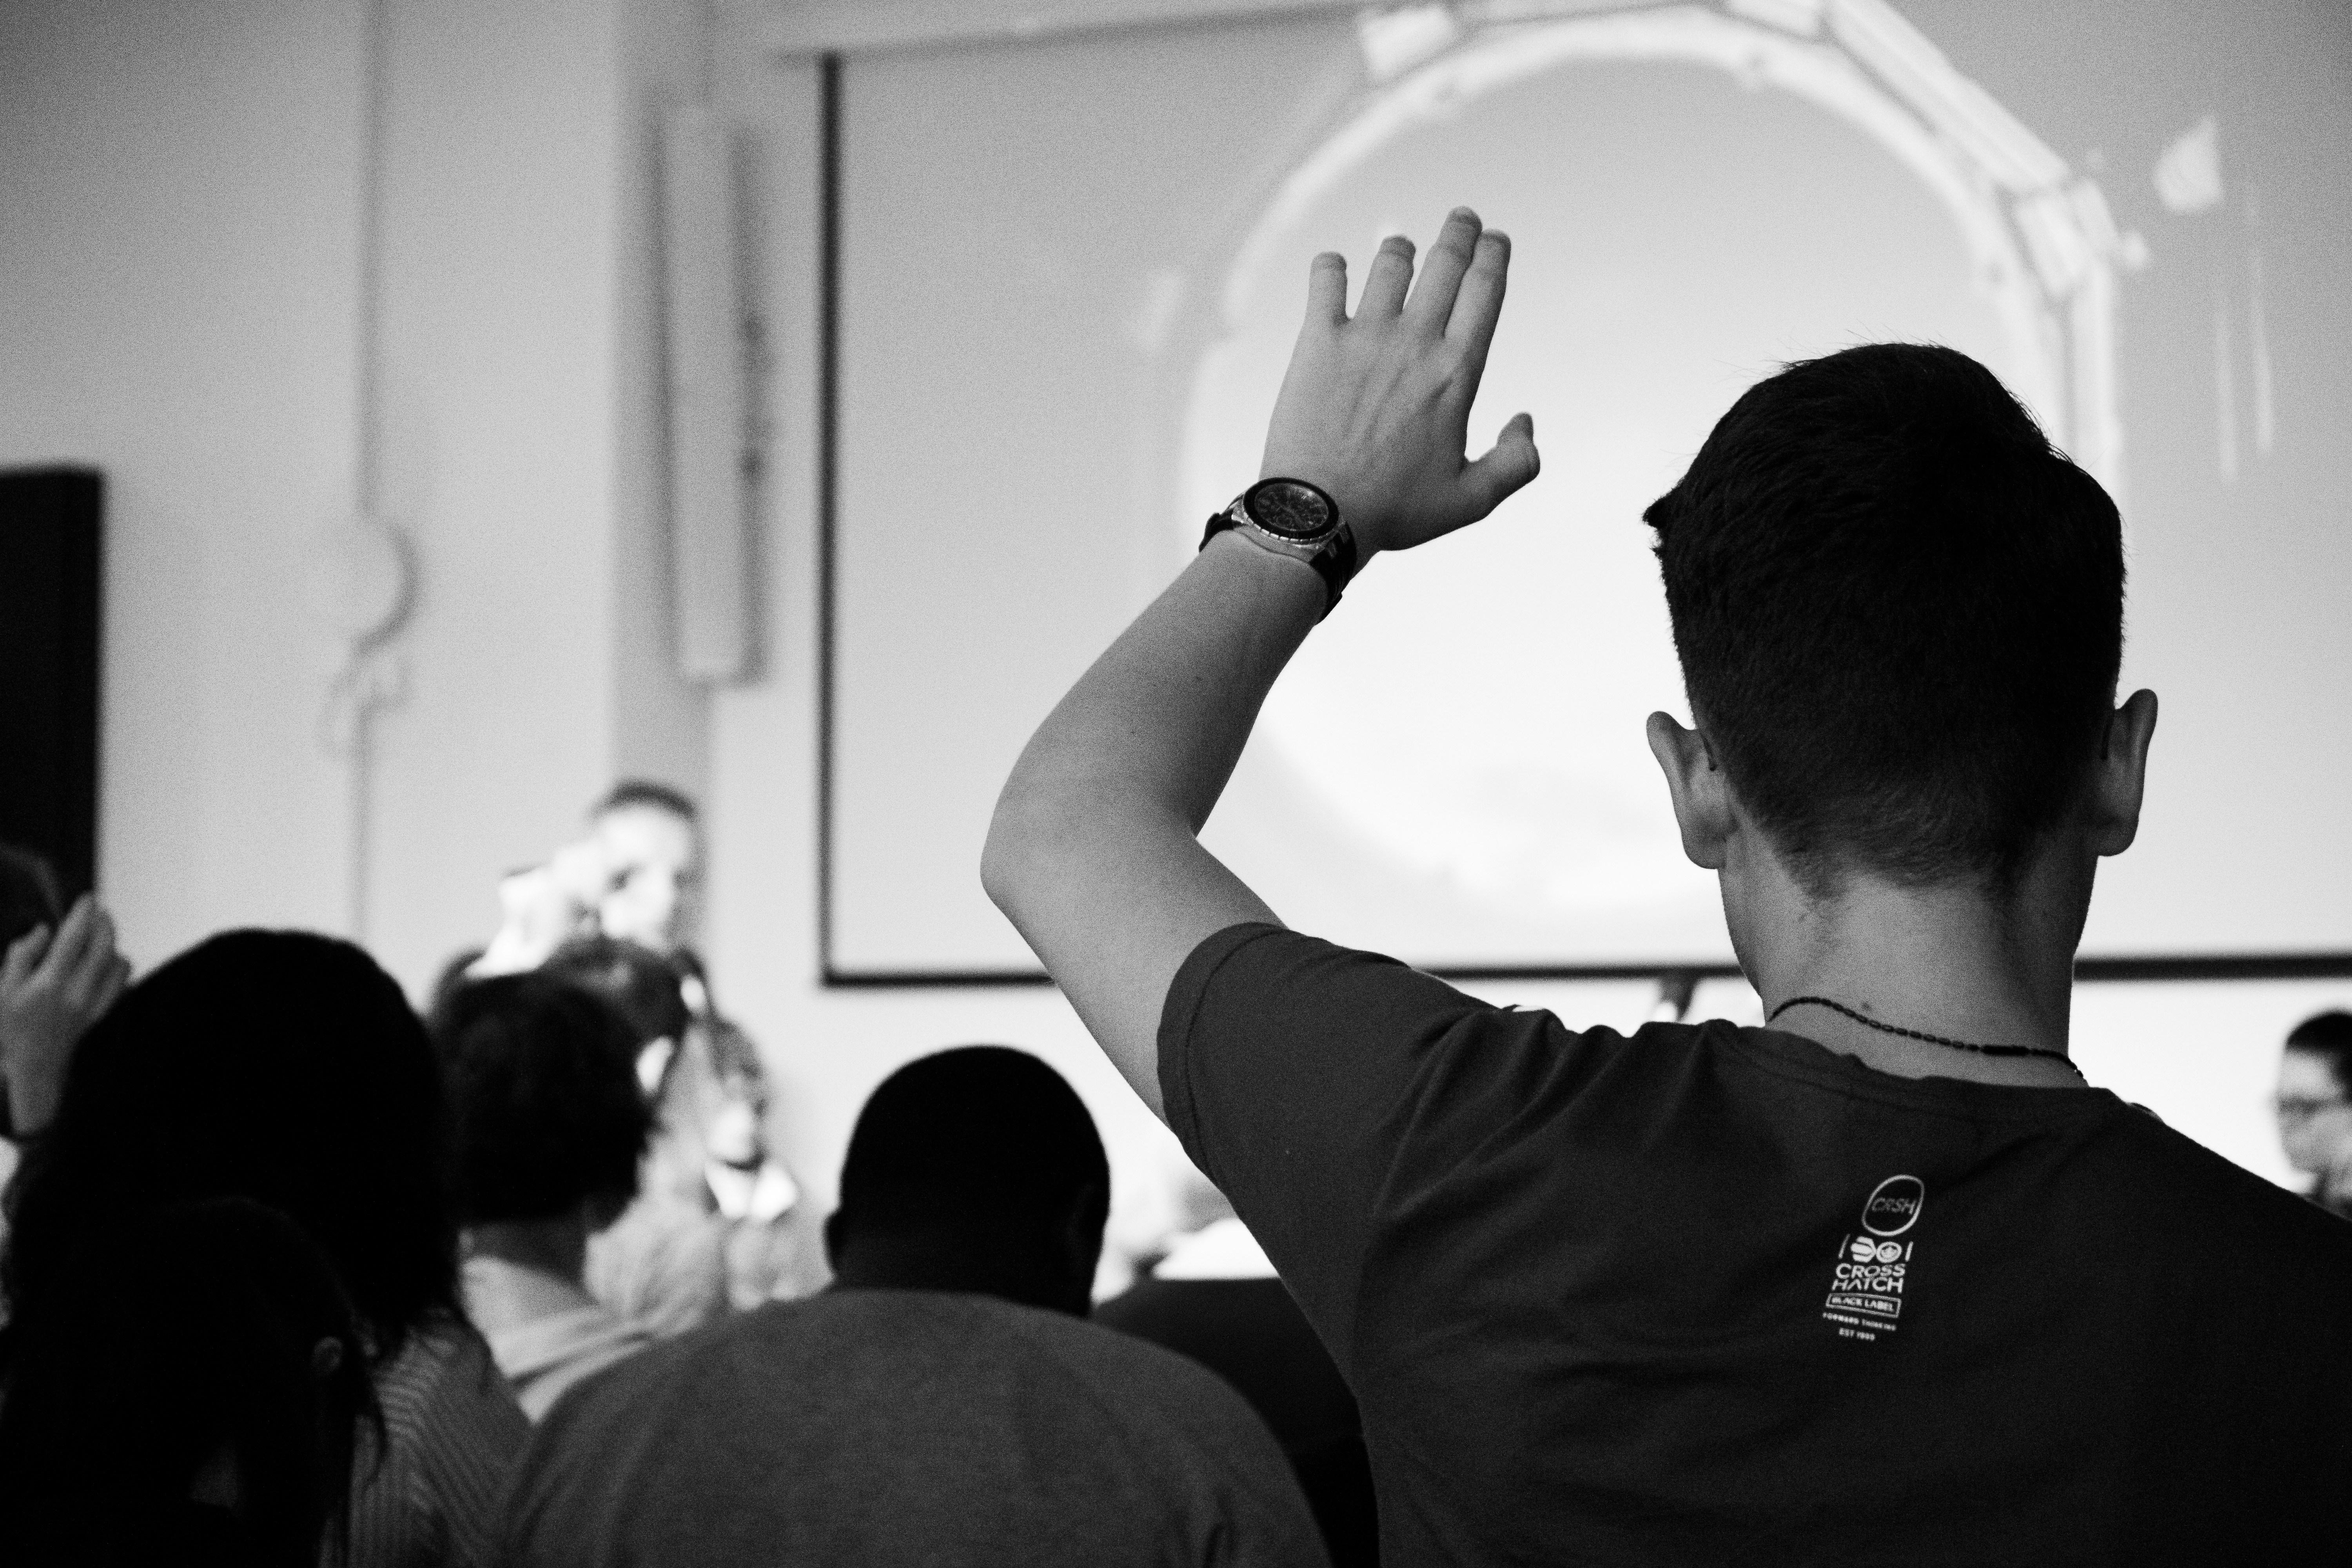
(557, 1247)
(1958, 960)
(884, 1261)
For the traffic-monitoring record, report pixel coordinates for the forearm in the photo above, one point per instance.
(1161, 718)
(1093, 853)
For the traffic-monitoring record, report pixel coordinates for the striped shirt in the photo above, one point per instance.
(453, 1431)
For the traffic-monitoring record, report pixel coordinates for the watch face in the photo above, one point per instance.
(1290, 509)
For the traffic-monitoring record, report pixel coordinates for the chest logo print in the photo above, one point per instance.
(1866, 1291)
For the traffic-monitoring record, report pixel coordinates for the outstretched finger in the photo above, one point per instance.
(1387, 278)
(1327, 289)
(73, 938)
(97, 959)
(1450, 255)
(1512, 462)
(1478, 304)
(24, 957)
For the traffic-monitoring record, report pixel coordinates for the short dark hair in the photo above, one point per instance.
(647, 793)
(544, 1110)
(983, 1150)
(280, 1067)
(29, 894)
(643, 985)
(1899, 613)
(2327, 1036)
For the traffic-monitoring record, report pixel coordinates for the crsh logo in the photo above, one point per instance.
(1893, 1206)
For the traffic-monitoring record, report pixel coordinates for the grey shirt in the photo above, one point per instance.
(905, 1427)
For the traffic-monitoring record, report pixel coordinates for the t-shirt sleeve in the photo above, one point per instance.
(1321, 1088)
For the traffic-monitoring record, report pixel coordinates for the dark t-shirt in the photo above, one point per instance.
(899, 1428)
(1719, 1295)
(1252, 1334)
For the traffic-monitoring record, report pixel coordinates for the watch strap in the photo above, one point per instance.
(1334, 559)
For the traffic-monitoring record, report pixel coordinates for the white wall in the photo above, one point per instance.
(521, 448)
(178, 223)
(181, 191)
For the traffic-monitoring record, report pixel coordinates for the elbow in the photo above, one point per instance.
(1007, 858)
(1035, 843)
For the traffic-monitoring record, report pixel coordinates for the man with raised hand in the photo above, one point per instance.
(1885, 1281)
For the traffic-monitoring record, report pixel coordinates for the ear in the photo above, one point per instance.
(834, 1241)
(1697, 788)
(2119, 778)
(1081, 1241)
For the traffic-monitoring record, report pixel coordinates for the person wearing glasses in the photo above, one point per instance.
(2315, 1111)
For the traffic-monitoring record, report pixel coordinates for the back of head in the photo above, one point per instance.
(978, 1169)
(1899, 614)
(645, 794)
(644, 987)
(279, 1067)
(187, 1393)
(2327, 1036)
(545, 1115)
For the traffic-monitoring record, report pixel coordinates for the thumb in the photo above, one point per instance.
(1513, 461)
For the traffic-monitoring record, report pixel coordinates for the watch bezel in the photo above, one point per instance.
(1249, 511)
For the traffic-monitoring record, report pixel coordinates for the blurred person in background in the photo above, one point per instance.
(2314, 1107)
(190, 1392)
(943, 1402)
(716, 1226)
(650, 839)
(635, 876)
(1212, 1295)
(546, 1127)
(287, 1069)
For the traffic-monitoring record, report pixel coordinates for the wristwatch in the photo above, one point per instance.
(1293, 518)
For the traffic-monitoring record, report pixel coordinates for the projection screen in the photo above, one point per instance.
(1064, 279)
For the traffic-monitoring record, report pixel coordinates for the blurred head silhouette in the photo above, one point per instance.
(651, 841)
(547, 1118)
(279, 1066)
(185, 1391)
(2314, 1103)
(975, 1170)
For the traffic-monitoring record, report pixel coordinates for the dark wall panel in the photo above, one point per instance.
(50, 555)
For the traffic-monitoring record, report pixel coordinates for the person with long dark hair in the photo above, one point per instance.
(287, 1069)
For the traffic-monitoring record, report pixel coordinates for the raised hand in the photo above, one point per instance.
(54, 985)
(1376, 407)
